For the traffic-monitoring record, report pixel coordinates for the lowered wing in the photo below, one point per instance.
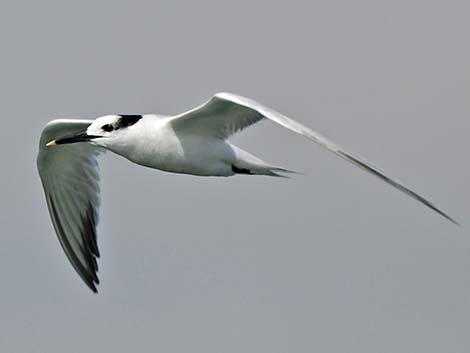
(70, 178)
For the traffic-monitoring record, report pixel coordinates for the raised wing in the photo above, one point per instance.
(70, 178)
(219, 117)
(227, 113)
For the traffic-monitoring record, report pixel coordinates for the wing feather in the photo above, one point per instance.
(70, 178)
(227, 113)
(218, 118)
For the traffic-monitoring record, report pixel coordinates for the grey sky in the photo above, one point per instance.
(333, 261)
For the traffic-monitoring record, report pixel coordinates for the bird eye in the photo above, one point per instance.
(107, 127)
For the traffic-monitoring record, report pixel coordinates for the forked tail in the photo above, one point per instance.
(246, 163)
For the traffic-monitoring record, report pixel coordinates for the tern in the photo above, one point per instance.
(194, 142)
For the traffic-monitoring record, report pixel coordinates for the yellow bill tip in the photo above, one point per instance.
(51, 143)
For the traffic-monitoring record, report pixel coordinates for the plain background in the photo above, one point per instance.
(333, 261)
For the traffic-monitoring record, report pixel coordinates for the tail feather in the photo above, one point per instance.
(246, 163)
(264, 170)
(284, 170)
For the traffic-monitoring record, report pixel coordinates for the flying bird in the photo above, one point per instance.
(194, 142)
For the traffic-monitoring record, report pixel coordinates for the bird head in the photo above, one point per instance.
(104, 131)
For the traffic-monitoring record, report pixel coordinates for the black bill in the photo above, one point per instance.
(78, 137)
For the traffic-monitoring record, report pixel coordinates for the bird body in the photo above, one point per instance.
(159, 147)
(156, 142)
(194, 142)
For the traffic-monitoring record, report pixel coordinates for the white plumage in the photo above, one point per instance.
(194, 142)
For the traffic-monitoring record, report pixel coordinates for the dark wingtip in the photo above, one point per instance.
(88, 274)
(381, 175)
(92, 285)
(434, 208)
(453, 221)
